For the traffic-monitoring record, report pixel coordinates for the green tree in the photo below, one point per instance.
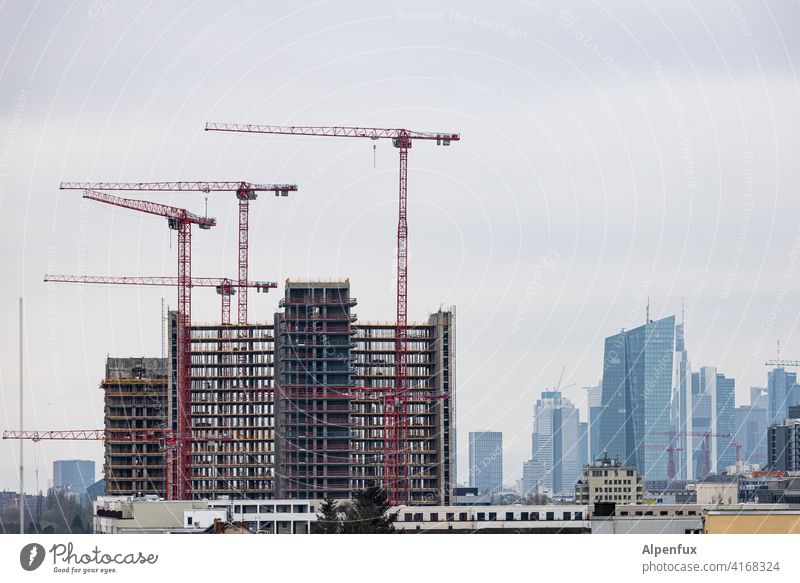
(328, 521)
(368, 513)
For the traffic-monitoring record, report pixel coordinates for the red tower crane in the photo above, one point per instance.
(224, 286)
(245, 192)
(395, 468)
(670, 458)
(706, 435)
(179, 483)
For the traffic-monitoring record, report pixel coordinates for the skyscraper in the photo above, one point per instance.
(637, 388)
(683, 403)
(751, 427)
(725, 423)
(714, 412)
(557, 447)
(486, 461)
(594, 398)
(783, 391)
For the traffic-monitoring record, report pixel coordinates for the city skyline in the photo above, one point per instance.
(582, 185)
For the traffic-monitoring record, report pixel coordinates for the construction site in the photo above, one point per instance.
(307, 404)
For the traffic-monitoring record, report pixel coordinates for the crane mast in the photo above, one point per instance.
(395, 451)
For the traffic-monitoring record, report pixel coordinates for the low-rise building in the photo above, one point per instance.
(753, 519)
(607, 480)
(150, 515)
(717, 490)
(650, 519)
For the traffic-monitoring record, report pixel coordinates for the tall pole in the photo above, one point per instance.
(21, 427)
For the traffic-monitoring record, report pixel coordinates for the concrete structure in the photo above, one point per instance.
(514, 519)
(470, 497)
(486, 461)
(637, 394)
(73, 476)
(135, 397)
(607, 480)
(233, 384)
(126, 515)
(314, 390)
(783, 446)
(557, 442)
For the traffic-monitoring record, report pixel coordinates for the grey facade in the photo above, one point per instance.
(751, 433)
(637, 393)
(783, 446)
(558, 447)
(486, 461)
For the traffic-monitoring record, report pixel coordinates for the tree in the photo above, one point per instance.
(368, 513)
(328, 522)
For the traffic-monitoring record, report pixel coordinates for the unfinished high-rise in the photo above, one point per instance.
(294, 404)
(135, 398)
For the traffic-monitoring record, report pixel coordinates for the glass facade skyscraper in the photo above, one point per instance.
(637, 394)
(486, 461)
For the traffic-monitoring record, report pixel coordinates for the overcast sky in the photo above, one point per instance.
(611, 151)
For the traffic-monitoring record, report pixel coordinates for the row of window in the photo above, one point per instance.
(491, 516)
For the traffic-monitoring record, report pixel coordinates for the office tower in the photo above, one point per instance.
(558, 441)
(486, 461)
(725, 451)
(703, 414)
(637, 388)
(73, 475)
(683, 405)
(751, 433)
(594, 398)
(783, 391)
(583, 443)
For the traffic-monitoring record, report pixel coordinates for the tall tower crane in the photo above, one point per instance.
(395, 468)
(224, 286)
(706, 435)
(245, 192)
(179, 483)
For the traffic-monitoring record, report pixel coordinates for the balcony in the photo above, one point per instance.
(317, 302)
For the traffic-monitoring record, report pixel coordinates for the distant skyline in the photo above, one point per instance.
(610, 152)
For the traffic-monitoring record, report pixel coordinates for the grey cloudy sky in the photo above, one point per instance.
(611, 151)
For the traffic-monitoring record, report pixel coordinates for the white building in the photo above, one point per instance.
(149, 515)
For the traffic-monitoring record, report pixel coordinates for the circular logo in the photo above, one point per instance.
(31, 556)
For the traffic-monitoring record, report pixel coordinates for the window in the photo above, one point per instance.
(407, 517)
(449, 517)
(567, 516)
(534, 516)
(418, 517)
(692, 513)
(550, 516)
(434, 517)
(624, 513)
(493, 516)
(509, 516)
(663, 513)
(523, 516)
(481, 516)
(462, 516)
(579, 516)
(189, 521)
(679, 513)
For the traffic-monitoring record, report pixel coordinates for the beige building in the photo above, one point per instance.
(717, 490)
(762, 519)
(607, 480)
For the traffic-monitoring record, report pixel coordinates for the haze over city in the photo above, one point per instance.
(607, 156)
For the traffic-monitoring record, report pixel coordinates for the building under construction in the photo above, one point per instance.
(296, 414)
